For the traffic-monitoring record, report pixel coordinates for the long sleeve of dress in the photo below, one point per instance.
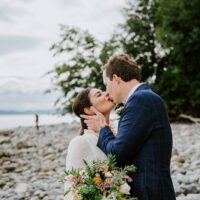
(82, 147)
(77, 151)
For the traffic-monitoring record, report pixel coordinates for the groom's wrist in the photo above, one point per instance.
(104, 126)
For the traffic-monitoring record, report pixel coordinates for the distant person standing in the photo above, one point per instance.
(37, 121)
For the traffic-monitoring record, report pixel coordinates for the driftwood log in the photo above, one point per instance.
(190, 118)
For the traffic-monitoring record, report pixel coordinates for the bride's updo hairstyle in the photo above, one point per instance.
(82, 101)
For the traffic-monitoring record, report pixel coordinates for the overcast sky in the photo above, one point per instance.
(27, 30)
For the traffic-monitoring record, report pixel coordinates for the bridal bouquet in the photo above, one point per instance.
(100, 181)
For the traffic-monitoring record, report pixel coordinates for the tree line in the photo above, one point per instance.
(162, 36)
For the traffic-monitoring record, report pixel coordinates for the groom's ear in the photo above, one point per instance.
(88, 111)
(116, 78)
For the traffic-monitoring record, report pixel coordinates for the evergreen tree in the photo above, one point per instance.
(163, 37)
(139, 39)
(179, 29)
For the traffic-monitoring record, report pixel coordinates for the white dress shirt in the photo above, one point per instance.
(132, 91)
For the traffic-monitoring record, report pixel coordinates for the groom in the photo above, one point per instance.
(144, 136)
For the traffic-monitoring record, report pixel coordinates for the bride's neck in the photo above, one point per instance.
(107, 116)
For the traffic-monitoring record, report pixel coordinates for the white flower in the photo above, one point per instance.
(110, 197)
(124, 188)
(108, 175)
(82, 173)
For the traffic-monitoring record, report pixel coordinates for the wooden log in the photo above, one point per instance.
(190, 118)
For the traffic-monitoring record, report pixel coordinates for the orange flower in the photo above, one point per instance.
(97, 179)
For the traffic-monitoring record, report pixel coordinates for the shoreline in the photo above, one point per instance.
(29, 120)
(76, 121)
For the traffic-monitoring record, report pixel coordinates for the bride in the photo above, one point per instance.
(84, 146)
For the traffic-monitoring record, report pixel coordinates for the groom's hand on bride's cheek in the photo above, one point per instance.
(95, 122)
(100, 116)
(92, 122)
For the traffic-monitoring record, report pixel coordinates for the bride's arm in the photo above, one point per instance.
(77, 151)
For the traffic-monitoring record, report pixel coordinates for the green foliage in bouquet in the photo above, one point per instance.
(100, 180)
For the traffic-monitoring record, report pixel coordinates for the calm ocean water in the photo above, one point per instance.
(12, 121)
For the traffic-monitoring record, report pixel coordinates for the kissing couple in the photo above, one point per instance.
(143, 137)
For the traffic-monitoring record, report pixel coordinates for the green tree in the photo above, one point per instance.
(178, 28)
(163, 37)
(82, 67)
(139, 39)
(136, 36)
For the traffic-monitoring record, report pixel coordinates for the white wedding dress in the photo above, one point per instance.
(82, 147)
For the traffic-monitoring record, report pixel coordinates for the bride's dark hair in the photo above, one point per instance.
(82, 101)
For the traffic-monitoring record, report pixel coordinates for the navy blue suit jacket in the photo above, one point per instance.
(144, 138)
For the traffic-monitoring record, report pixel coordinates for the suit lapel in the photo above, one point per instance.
(144, 86)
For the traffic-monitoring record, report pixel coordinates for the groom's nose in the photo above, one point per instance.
(106, 96)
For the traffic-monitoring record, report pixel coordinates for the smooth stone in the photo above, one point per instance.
(21, 188)
(2, 184)
(186, 134)
(190, 197)
(191, 189)
(4, 159)
(40, 193)
(178, 159)
(193, 178)
(4, 139)
(6, 132)
(174, 151)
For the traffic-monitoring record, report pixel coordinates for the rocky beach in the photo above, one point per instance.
(32, 162)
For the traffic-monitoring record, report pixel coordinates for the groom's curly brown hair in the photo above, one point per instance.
(123, 66)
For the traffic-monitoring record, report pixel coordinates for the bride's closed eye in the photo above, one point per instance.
(98, 94)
